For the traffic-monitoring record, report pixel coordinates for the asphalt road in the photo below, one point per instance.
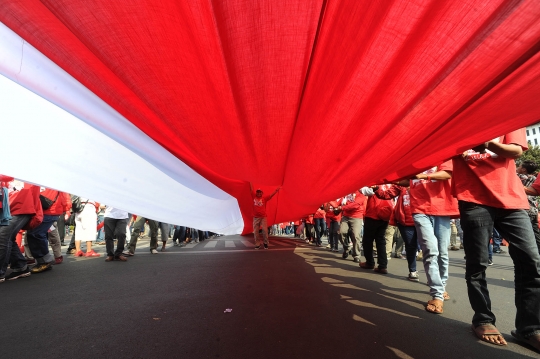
(292, 301)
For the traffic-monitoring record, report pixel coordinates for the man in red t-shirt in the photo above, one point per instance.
(491, 195)
(259, 215)
(433, 205)
(353, 208)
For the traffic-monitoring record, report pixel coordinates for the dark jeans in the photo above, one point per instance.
(333, 235)
(38, 242)
(320, 228)
(408, 233)
(477, 222)
(9, 250)
(374, 229)
(115, 228)
(497, 240)
(61, 226)
(534, 222)
(179, 234)
(309, 231)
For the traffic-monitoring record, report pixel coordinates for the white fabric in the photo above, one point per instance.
(93, 151)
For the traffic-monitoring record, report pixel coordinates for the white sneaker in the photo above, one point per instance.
(153, 251)
(413, 276)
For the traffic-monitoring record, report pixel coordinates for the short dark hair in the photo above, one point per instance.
(530, 166)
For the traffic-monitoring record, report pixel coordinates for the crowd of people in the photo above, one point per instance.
(479, 196)
(34, 218)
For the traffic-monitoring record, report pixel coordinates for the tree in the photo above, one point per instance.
(532, 154)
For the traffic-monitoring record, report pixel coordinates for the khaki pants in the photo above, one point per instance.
(260, 223)
(453, 234)
(389, 237)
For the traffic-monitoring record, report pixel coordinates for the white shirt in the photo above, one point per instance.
(111, 212)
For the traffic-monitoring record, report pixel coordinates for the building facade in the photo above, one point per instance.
(533, 134)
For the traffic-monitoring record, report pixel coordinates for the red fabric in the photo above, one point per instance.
(355, 205)
(309, 219)
(490, 180)
(380, 209)
(402, 213)
(61, 205)
(434, 197)
(277, 76)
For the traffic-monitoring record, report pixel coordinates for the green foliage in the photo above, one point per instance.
(532, 154)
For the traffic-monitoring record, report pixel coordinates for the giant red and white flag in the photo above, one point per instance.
(167, 109)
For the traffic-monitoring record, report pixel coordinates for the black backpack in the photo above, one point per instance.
(76, 205)
(47, 203)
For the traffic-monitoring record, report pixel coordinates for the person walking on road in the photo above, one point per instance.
(259, 215)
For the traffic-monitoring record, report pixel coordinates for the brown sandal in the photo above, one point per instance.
(488, 330)
(435, 306)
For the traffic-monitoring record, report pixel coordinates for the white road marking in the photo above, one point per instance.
(210, 244)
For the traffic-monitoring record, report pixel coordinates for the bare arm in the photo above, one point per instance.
(529, 191)
(274, 193)
(511, 150)
(439, 175)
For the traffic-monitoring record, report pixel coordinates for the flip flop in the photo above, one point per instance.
(533, 341)
(437, 303)
(487, 330)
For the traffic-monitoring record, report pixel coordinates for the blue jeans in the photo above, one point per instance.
(434, 237)
(497, 240)
(38, 241)
(408, 233)
(514, 225)
(9, 251)
(179, 234)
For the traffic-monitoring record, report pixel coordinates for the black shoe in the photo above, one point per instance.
(257, 247)
(500, 251)
(490, 262)
(266, 246)
(345, 254)
(21, 274)
(41, 267)
(63, 244)
(356, 260)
